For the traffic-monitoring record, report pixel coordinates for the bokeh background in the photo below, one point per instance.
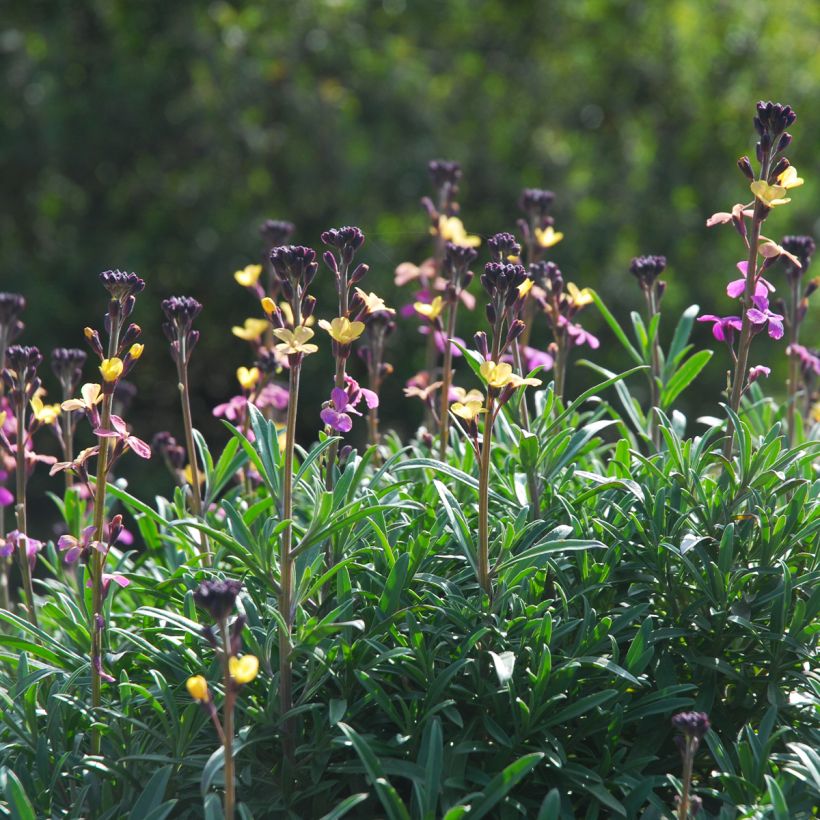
(155, 136)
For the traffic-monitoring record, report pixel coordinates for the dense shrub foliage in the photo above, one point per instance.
(541, 605)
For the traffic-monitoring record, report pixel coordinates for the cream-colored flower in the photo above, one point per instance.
(451, 229)
(547, 237)
(342, 330)
(91, 394)
(295, 341)
(373, 303)
(469, 411)
(251, 330)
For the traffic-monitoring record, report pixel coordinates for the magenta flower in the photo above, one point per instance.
(440, 338)
(761, 316)
(736, 287)
(17, 540)
(724, 326)
(6, 497)
(272, 395)
(120, 432)
(758, 371)
(76, 547)
(232, 410)
(107, 577)
(532, 358)
(355, 394)
(334, 415)
(809, 360)
(578, 336)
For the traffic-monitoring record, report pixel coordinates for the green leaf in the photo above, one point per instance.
(616, 328)
(502, 784)
(19, 804)
(684, 376)
(345, 806)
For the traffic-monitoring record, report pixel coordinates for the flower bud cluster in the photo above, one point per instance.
(11, 307)
(20, 374)
(67, 364)
(180, 312)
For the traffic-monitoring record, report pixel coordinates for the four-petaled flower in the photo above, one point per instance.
(295, 341)
(73, 547)
(120, 432)
(451, 229)
(342, 330)
(761, 315)
(431, 310)
(547, 237)
(501, 374)
(737, 287)
(251, 329)
(248, 377)
(469, 410)
(111, 369)
(44, 413)
(91, 394)
(724, 327)
(577, 296)
(248, 276)
(372, 302)
(334, 415)
(243, 670)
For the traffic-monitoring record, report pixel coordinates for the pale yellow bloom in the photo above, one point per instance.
(111, 369)
(465, 396)
(91, 394)
(251, 330)
(294, 341)
(3, 416)
(525, 287)
(518, 381)
(373, 303)
(579, 298)
(432, 310)
(469, 411)
(769, 195)
(136, 350)
(342, 330)
(496, 374)
(547, 237)
(245, 669)
(44, 413)
(248, 276)
(197, 688)
(789, 178)
(248, 378)
(451, 229)
(769, 249)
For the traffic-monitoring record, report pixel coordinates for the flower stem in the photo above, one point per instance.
(228, 728)
(655, 372)
(187, 422)
(794, 364)
(446, 380)
(484, 500)
(688, 759)
(22, 549)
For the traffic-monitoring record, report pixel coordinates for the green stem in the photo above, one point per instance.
(484, 499)
(655, 372)
(688, 759)
(228, 727)
(447, 379)
(794, 364)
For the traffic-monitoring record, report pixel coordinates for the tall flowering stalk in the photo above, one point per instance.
(647, 269)
(22, 384)
(180, 312)
(343, 332)
(692, 726)
(11, 307)
(795, 310)
(457, 274)
(218, 599)
(379, 324)
(503, 282)
(539, 235)
(67, 364)
(769, 189)
(122, 353)
(295, 266)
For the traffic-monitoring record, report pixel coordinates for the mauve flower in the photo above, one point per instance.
(809, 360)
(760, 315)
(232, 410)
(736, 287)
(120, 431)
(73, 547)
(578, 336)
(440, 338)
(14, 540)
(334, 415)
(724, 326)
(6, 497)
(532, 357)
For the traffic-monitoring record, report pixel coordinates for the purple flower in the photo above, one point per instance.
(355, 394)
(758, 371)
(809, 360)
(724, 326)
(532, 358)
(334, 415)
(6, 497)
(578, 336)
(760, 315)
(440, 338)
(76, 547)
(107, 578)
(232, 410)
(15, 539)
(120, 431)
(736, 288)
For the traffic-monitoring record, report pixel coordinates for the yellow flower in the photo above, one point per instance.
(111, 369)
(269, 306)
(135, 351)
(248, 377)
(91, 394)
(525, 287)
(451, 229)
(769, 195)
(287, 313)
(373, 303)
(342, 330)
(465, 396)
(789, 178)
(44, 413)
(579, 298)
(3, 419)
(468, 411)
(245, 669)
(294, 341)
(518, 381)
(197, 688)
(431, 311)
(547, 237)
(251, 330)
(188, 474)
(496, 375)
(248, 276)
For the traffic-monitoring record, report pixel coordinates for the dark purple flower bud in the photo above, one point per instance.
(266, 361)
(778, 168)
(444, 172)
(745, 165)
(67, 364)
(359, 273)
(11, 306)
(691, 724)
(536, 202)
(502, 246)
(168, 448)
(308, 306)
(516, 329)
(647, 269)
(236, 634)
(294, 264)
(276, 232)
(330, 260)
(803, 248)
(491, 313)
(346, 240)
(210, 636)
(784, 143)
(217, 597)
(480, 342)
(121, 285)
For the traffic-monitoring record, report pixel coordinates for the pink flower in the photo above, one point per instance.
(232, 410)
(6, 497)
(736, 288)
(17, 540)
(120, 431)
(761, 316)
(757, 371)
(440, 338)
(334, 415)
(724, 327)
(578, 336)
(532, 358)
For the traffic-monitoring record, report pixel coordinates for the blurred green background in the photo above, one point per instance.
(155, 136)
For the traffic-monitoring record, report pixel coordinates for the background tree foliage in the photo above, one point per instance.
(156, 136)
